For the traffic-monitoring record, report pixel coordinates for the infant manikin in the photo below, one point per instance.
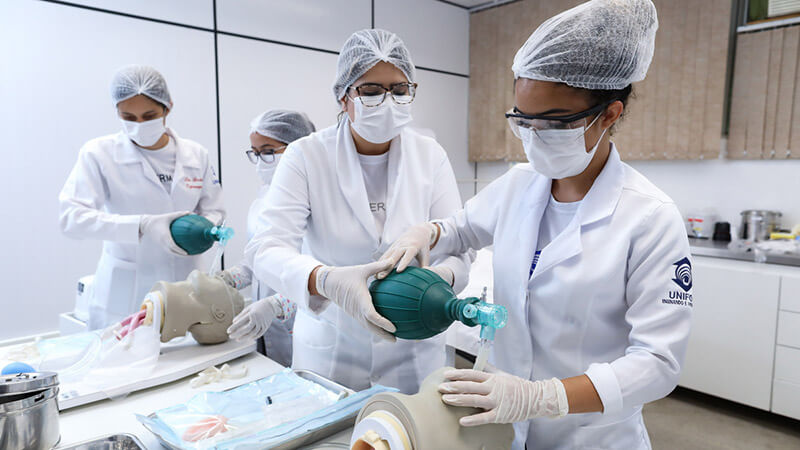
(202, 305)
(394, 421)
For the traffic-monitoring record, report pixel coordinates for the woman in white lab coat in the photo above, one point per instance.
(128, 187)
(271, 315)
(591, 259)
(350, 190)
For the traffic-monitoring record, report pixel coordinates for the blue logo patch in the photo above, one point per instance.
(683, 274)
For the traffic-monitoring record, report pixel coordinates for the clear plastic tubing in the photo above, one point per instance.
(484, 348)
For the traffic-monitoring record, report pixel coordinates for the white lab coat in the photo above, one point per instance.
(104, 197)
(318, 193)
(278, 338)
(594, 303)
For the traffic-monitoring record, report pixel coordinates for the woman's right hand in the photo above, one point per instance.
(347, 287)
(416, 242)
(158, 227)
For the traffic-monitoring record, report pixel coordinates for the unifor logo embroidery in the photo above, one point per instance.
(683, 274)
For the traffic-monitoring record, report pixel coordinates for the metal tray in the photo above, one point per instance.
(309, 438)
(113, 442)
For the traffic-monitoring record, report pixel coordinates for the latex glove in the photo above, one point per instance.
(414, 243)
(505, 397)
(226, 276)
(254, 320)
(347, 287)
(445, 273)
(157, 226)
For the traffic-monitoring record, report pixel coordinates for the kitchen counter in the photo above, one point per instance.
(117, 416)
(715, 249)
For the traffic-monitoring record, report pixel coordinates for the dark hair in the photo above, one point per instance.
(598, 96)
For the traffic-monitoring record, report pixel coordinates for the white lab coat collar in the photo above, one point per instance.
(128, 153)
(351, 178)
(599, 203)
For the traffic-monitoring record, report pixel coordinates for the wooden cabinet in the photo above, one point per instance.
(732, 346)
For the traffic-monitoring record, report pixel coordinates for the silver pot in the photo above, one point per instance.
(757, 225)
(29, 411)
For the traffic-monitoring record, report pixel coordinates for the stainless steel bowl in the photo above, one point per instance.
(757, 225)
(29, 411)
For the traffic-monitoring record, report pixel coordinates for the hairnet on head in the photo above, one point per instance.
(282, 125)
(133, 80)
(600, 44)
(363, 50)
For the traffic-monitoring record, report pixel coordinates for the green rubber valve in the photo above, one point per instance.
(196, 234)
(421, 305)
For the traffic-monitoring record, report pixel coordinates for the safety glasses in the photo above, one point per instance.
(539, 123)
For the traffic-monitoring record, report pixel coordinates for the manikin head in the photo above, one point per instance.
(202, 305)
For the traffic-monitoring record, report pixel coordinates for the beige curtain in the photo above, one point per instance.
(765, 102)
(677, 111)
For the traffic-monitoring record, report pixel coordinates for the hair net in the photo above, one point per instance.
(363, 50)
(600, 44)
(282, 125)
(133, 80)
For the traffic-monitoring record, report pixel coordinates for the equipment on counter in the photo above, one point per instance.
(757, 225)
(421, 305)
(700, 224)
(722, 232)
(28, 411)
(393, 421)
(196, 234)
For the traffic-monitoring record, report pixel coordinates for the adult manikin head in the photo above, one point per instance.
(202, 305)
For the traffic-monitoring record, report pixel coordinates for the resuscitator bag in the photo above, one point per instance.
(260, 414)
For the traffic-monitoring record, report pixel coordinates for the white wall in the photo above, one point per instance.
(729, 187)
(57, 64)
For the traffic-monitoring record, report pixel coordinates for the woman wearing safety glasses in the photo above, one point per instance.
(351, 190)
(271, 315)
(592, 260)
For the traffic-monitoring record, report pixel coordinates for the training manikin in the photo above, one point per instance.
(202, 305)
(393, 421)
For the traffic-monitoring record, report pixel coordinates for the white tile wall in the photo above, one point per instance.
(199, 13)
(324, 24)
(437, 34)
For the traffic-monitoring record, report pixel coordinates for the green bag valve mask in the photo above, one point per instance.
(421, 305)
(196, 234)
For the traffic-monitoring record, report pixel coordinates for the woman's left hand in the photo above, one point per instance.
(505, 397)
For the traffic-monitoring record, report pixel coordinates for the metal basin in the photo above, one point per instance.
(113, 442)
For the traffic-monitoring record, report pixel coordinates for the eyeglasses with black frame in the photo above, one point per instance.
(374, 94)
(266, 154)
(537, 122)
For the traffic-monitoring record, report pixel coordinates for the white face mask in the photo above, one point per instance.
(564, 153)
(380, 123)
(267, 170)
(145, 134)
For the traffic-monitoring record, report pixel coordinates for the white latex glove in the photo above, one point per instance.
(506, 398)
(157, 226)
(444, 272)
(254, 320)
(347, 287)
(226, 276)
(416, 243)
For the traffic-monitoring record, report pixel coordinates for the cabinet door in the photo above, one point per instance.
(732, 345)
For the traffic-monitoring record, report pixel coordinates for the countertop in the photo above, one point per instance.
(715, 249)
(117, 416)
